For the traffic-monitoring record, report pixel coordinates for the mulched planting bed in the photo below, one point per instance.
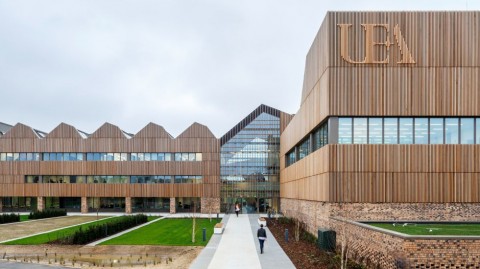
(303, 254)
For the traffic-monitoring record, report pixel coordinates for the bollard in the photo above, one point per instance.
(286, 235)
(217, 216)
(204, 233)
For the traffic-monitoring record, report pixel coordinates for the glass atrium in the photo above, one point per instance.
(250, 168)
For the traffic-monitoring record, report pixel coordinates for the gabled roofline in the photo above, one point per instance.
(247, 120)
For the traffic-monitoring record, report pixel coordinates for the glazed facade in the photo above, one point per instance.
(112, 170)
(249, 164)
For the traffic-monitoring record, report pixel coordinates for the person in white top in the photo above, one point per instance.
(237, 209)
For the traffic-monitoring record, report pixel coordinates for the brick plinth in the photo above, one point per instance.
(381, 250)
(40, 203)
(84, 206)
(128, 205)
(210, 205)
(173, 208)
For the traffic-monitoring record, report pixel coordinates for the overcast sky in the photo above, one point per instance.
(169, 62)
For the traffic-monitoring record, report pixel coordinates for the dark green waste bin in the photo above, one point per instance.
(326, 239)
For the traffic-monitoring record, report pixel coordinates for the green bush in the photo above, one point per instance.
(308, 237)
(96, 232)
(49, 213)
(285, 220)
(8, 218)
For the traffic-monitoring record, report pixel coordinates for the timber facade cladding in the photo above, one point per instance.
(443, 81)
(109, 138)
(429, 67)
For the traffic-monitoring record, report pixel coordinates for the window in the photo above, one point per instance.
(316, 139)
(360, 131)
(406, 131)
(345, 130)
(421, 131)
(390, 126)
(290, 157)
(436, 131)
(188, 179)
(467, 131)
(451, 131)
(375, 129)
(304, 149)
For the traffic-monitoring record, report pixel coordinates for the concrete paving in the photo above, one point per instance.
(273, 256)
(238, 247)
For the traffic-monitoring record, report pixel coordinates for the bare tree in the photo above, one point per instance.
(209, 205)
(343, 246)
(194, 220)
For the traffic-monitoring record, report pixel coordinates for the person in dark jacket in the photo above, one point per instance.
(262, 236)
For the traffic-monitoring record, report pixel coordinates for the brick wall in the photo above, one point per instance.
(382, 250)
(210, 205)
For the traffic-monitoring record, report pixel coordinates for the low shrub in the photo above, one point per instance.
(308, 237)
(49, 213)
(9, 218)
(96, 232)
(285, 220)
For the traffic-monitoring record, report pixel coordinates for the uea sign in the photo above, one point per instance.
(370, 44)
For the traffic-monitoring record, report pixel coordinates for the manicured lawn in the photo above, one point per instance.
(431, 228)
(51, 236)
(24, 218)
(167, 232)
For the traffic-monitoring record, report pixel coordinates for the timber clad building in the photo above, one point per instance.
(388, 129)
(150, 171)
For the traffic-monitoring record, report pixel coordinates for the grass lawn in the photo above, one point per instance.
(167, 232)
(432, 228)
(24, 218)
(51, 236)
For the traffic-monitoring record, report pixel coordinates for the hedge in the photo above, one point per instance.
(8, 218)
(49, 213)
(96, 232)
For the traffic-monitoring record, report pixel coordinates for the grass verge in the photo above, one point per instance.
(431, 228)
(51, 236)
(167, 232)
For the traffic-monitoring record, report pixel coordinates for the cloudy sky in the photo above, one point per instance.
(170, 62)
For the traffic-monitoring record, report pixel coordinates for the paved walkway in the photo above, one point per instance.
(238, 247)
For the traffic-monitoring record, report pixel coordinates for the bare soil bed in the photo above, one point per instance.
(303, 254)
(103, 256)
(21, 229)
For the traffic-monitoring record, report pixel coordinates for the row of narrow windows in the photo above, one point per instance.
(315, 140)
(162, 179)
(389, 130)
(361, 130)
(102, 156)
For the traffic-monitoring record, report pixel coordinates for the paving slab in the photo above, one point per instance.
(238, 247)
(273, 256)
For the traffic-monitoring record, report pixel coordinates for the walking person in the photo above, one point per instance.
(237, 209)
(262, 236)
